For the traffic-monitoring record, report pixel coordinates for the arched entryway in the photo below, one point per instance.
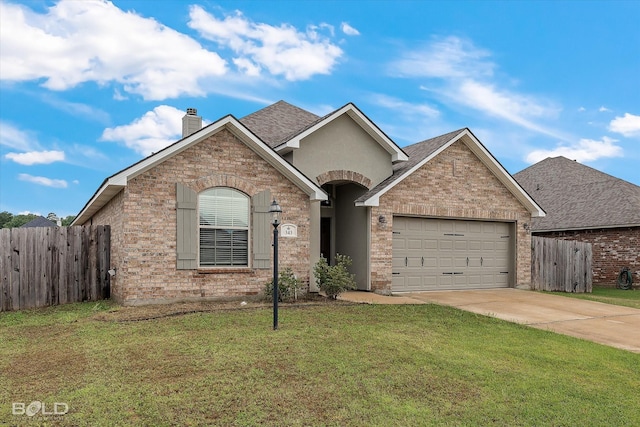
(344, 228)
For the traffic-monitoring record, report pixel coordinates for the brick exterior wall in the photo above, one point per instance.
(343, 175)
(468, 191)
(143, 218)
(613, 249)
(143, 224)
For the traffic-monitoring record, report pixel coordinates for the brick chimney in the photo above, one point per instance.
(191, 122)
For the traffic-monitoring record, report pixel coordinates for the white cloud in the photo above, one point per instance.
(77, 109)
(349, 30)
(32, 152)
(462, 74)
(83, 41)
(150, 133)
(603, 109)
(312, 30)
(585, 150)
(18, 139)
(81, 154)
(403, 107)
(41, 180)
(516, 108)
(75, 42)
(247, 67)
(582, 109)
(448, 58)
(118, 96)
(36, 157)
(281, 50)
(627, 125)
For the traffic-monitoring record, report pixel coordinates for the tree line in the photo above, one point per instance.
(9, 220)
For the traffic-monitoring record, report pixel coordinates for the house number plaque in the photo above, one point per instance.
(289, 230)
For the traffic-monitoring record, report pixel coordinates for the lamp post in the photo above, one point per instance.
(275, 210)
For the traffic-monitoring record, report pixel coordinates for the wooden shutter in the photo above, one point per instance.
(261, 230)
(187, 228)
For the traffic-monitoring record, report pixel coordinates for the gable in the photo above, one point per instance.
(397, 154)
(342, 145)
(112, 185)
(455, 183)
(435, 147)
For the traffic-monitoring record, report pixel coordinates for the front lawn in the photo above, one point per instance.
(329, 364)
(628, 298)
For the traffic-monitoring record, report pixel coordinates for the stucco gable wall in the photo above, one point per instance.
(455, 184)
(343, 145)
(149, 236)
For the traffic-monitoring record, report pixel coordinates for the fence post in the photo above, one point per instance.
(5, 269)
(104, 244)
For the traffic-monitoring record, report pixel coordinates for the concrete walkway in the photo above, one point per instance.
(608, 324)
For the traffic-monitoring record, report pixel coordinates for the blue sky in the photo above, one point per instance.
(89, 87)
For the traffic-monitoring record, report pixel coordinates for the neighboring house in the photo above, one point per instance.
(191, 221)
(590, 206)
(39, 221)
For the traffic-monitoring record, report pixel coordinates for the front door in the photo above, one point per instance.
(325, 238)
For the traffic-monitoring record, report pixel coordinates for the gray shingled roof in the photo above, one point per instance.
(575, 196)
(39, 222)
(276, 123)
(417, 153)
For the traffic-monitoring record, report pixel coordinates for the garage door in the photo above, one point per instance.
(438, 254)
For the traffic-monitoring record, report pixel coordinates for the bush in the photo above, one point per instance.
(334, 279)
(288, 286)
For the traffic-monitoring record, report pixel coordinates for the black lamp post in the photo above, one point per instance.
(275, 210)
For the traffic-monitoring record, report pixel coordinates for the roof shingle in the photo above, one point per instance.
(39, 221)
(417, 153)
(576, 196)
(277, 122)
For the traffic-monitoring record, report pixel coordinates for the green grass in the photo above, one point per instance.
(329, 364)
(627, 298)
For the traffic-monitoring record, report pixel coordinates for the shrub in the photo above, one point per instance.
(288, 286)
(334, 279)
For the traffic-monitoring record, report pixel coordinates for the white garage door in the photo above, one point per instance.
(438, 254)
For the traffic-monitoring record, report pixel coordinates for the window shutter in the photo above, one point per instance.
(187, 228)
(261, 229)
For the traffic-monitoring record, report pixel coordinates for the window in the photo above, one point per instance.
(223, 228)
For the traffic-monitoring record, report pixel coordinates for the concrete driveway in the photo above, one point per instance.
(607, 324)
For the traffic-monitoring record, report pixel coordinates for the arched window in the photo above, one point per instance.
(223, 228)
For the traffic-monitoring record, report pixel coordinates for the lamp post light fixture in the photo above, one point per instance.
(275, 210)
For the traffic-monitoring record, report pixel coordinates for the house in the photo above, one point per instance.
(39, 221)
(587, 205)
(191, 221)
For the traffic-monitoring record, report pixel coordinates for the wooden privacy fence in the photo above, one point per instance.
(560, 265)
(45, 266)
